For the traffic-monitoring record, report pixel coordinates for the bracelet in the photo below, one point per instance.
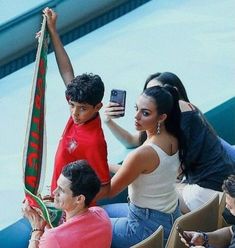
(205, 238)
(36, 230)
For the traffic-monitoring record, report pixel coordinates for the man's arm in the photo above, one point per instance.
(220, 238)
(62, 58)
(37, 223)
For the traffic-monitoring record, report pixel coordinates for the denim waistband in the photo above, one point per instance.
(147, 212)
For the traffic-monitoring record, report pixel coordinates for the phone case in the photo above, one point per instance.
(118, 96)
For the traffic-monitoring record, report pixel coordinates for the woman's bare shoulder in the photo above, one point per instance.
(143, 152)
(145, 157)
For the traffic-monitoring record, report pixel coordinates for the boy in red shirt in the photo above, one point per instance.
(83, 136)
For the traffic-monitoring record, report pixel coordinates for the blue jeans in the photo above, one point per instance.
(132, 224)
(16, 235)
(230, 149)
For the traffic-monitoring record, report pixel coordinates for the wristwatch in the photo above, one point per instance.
(205, 238)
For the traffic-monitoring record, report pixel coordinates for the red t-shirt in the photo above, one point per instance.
(84, 141)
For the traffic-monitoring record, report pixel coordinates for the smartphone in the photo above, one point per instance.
(118, 96)
(186, 237)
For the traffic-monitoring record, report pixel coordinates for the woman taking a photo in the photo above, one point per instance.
(149, 171)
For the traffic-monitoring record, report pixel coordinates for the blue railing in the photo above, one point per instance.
(71, 35)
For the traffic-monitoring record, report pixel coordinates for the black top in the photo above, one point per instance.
(208, 162)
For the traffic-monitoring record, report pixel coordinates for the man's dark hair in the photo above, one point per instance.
(86, 88)
(229, 186)
(84, 180)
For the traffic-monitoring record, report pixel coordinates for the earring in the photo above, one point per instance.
(158, 128)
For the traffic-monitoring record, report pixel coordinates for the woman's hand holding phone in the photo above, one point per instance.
(116, 106)
(113, 111)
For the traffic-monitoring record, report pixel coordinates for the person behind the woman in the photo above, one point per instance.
(149, 171)
(208, 159)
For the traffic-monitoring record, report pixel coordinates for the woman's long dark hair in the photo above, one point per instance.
(166, 78)
(170, 79)
(167, 102)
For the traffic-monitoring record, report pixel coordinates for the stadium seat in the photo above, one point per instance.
(155, 240)
(205, 219)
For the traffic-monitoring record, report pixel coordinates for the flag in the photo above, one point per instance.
(34, 154)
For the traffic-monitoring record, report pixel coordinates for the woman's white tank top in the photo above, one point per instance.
(156, 190)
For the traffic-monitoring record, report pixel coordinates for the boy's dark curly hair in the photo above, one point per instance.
(86, 88)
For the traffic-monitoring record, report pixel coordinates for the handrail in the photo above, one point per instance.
(17, 58)
(34, 11)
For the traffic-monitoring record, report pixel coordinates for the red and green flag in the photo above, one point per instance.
(34, 155)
